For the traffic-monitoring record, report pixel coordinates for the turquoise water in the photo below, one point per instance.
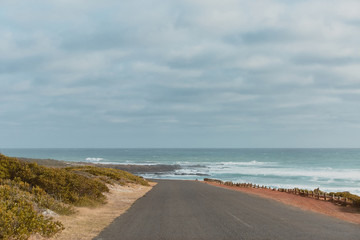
(329, 169)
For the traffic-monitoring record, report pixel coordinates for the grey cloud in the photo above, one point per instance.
(202, 61)
(263, 36)
(142, 73)
(102, 40)
(26, 64)
(324, 60)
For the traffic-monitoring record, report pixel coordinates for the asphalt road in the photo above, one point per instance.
(193, 210)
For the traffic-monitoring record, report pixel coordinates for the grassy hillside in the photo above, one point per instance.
(27, 190)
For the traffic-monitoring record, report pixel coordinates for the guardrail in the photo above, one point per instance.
(316, 194)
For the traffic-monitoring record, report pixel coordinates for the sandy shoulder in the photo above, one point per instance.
(87, 223)
(349, 214)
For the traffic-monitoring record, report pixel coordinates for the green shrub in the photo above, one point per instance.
(352, 197)
(18, 219)
(116, 175)
(26, 189)
(61, 184)
(39, 197)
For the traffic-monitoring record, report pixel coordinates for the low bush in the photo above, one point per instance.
(61, 184)
(110, 174)
(27, 189)
(38, 196)
(352, 197)
(18, 218)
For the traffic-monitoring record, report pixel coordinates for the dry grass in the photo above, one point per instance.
(89, 222)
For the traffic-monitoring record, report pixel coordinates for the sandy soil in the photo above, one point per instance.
(87, 223)
(349, 213)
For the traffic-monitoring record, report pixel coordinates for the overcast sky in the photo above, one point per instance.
(180, 73)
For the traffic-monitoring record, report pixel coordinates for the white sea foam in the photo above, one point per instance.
(250, 163)
(274, 169)
(93, 159)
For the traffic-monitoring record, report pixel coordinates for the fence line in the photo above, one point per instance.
(316, 194)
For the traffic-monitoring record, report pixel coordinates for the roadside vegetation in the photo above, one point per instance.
(28, 190)
(354, 198)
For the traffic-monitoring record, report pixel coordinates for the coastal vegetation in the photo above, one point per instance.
(28, 190)
(109, 175)
(354, 198)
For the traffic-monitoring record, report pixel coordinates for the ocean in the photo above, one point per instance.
(327, 169)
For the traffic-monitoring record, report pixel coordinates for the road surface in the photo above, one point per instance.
(182, 210)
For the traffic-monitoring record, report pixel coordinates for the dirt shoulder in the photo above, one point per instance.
(87, 223)
(349, 213)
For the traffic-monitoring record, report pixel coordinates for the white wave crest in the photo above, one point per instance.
(93, 159)
(313, 174)
(251, 163)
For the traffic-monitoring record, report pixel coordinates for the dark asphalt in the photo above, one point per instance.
(193, 210)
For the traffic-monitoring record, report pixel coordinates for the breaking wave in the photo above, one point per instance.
(93, 159)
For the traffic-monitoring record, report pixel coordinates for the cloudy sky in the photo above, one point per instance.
(180, 73)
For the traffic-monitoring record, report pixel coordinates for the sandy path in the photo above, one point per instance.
(89, 222)
(349, 214)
